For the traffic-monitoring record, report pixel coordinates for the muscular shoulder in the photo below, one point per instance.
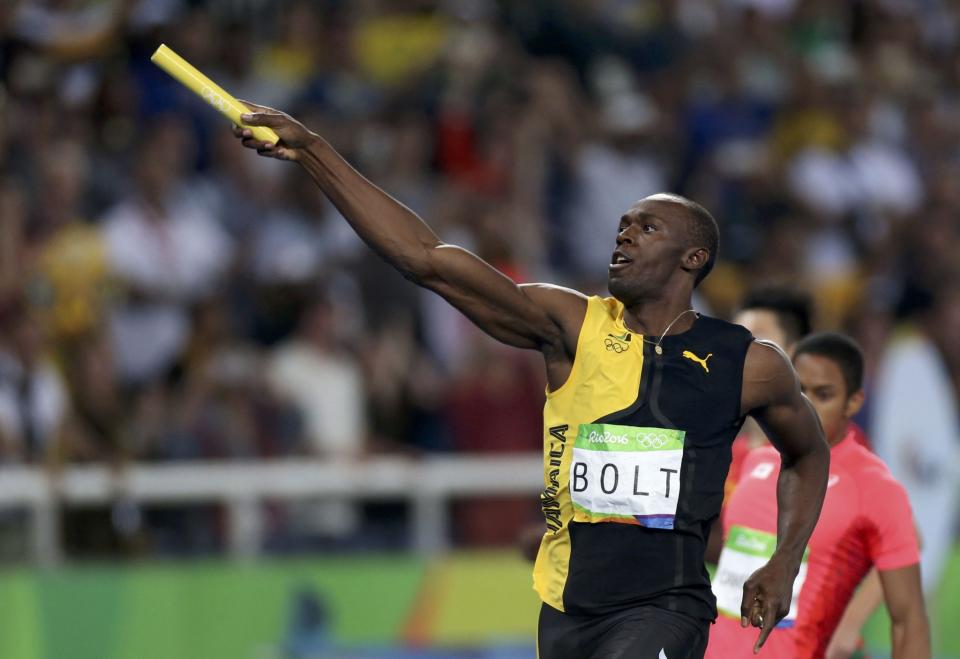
(566, 307)
(768, 377)
(559, 301)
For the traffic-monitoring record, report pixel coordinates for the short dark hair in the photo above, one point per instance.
(841, 350)
(702, 231)
(792, 307)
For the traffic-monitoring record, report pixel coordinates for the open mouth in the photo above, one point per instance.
(619, 261)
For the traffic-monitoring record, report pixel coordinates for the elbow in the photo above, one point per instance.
(420, 266)
(910, 635)
(414, 273)
(813, 458)
(821, 450)
(819, 457)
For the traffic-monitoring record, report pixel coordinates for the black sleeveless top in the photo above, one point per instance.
(694, 388)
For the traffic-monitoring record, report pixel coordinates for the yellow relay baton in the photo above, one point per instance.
(188, 76)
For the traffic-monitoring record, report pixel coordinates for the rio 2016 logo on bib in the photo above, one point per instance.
(626, 474)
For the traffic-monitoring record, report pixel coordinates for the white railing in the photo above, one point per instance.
(426, 484)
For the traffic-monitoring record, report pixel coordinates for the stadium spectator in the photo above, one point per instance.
(167, 251)
(33, 399)
(490, 115)
(917, 398)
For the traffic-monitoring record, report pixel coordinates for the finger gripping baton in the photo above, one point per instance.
(188, 76)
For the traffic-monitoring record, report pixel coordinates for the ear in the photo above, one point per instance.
(695, 258)
(854, 403)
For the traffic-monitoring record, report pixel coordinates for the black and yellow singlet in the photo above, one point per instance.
(636, 450)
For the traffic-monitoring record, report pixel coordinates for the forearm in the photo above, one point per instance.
(387, 226)
(863, 604)
(800, 490)
(910, 636)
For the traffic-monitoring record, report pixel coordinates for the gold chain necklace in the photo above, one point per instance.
(656, 344)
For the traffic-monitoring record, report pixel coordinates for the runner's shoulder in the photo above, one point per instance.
(878, 488)
(767, 362)
(867, 464)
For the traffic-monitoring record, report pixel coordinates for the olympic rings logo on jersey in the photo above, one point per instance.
(214, 99)
(616, 346)
(652, 440)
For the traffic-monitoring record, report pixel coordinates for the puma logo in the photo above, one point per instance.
(703, 362)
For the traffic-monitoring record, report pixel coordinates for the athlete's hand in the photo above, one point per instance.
(529, 539)
(294, 136)
(766, 598)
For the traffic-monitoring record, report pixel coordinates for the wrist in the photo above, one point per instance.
(314, 151)
(787, 560)
(315, 143)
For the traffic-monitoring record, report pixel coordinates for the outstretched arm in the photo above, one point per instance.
(535, 316)
(771, 394)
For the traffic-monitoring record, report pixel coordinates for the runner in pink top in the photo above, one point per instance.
(866, 521)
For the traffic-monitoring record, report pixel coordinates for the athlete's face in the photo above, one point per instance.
(822, 381)
(651, 245)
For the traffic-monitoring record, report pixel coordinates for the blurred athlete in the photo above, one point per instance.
(780, 314)
(644, 398)
(866, 521)
(784, 315)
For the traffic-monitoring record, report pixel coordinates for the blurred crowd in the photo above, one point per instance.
(166, 295)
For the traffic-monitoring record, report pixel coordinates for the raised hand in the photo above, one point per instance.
(766, 598)
(294, 136)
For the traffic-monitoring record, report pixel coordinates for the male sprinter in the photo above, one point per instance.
(780, 315)
(866, 522)
(784, 315)
(644, 398)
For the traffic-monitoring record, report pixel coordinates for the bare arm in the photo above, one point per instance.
(846, 637)
(771, 394)
(538, 316)
(910, 630)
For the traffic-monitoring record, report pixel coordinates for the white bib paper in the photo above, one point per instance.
(744, 552)
(626, 474)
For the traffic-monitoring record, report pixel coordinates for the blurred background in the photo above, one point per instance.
(228, 430)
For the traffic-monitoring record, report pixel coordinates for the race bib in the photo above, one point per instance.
(626, 474)
(746, 551)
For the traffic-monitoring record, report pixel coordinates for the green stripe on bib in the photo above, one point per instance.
(753, 542)
(608, 437)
